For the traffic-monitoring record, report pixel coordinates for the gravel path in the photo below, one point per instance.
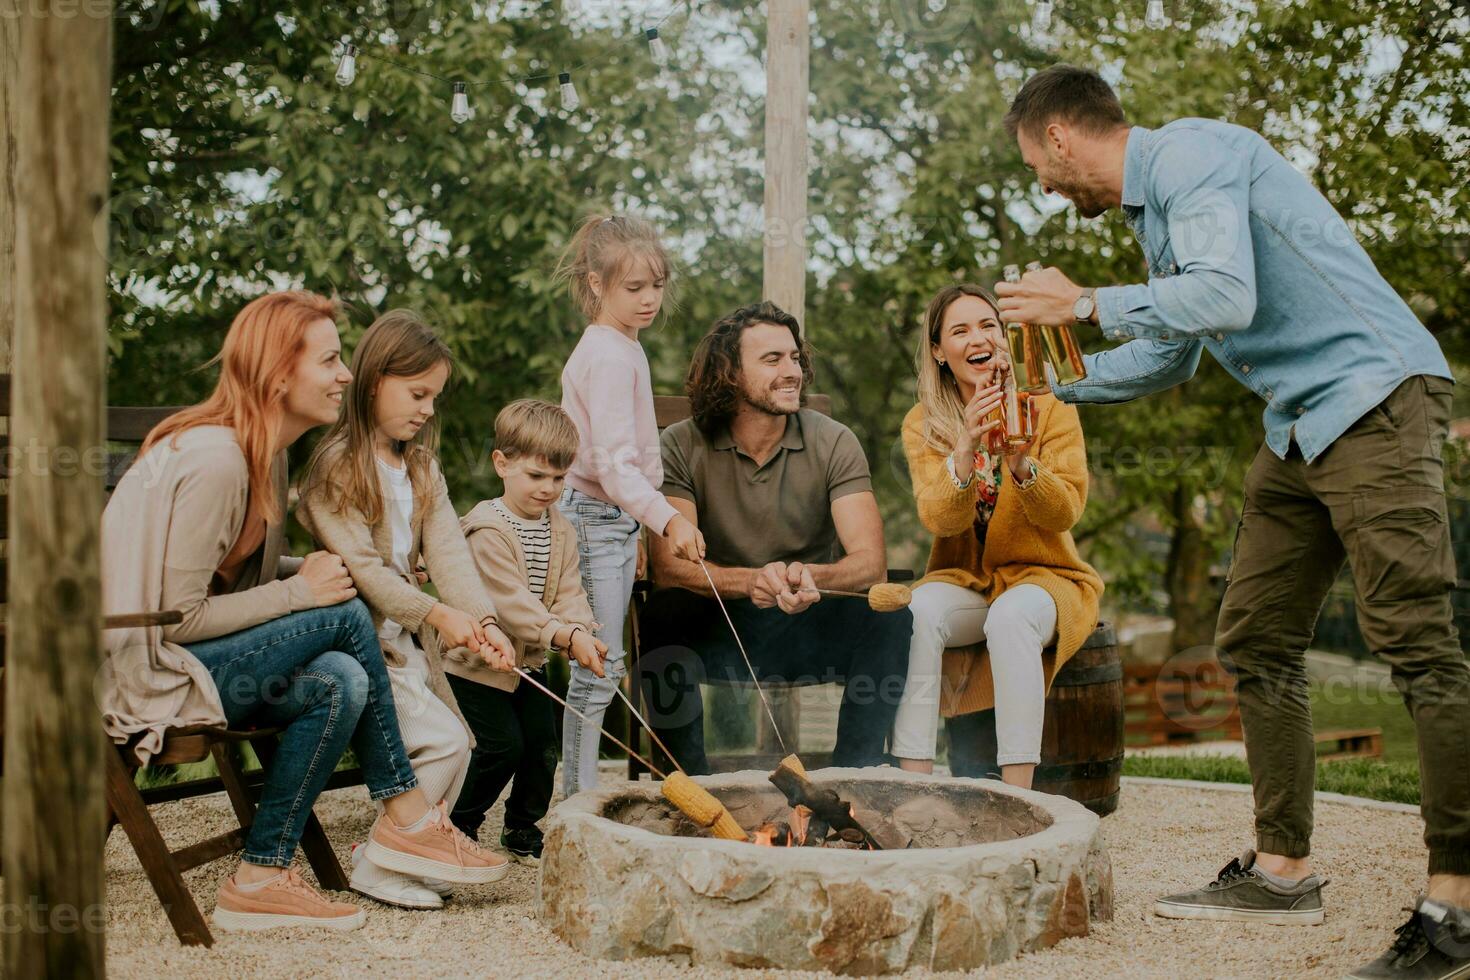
(1162, 838)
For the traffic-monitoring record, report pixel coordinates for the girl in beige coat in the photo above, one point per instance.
(373, 494)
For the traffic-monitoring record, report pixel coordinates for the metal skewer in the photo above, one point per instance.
(644, 722)
(613, 738)
(748, 666)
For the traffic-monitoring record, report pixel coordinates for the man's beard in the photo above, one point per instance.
(1068, 183)
(765, 401)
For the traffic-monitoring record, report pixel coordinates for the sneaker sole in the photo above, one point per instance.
(1459, 974)
(410, 864)
(388, 899)
(229, 921)
(1216, 913)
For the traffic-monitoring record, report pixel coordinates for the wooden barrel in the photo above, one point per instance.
(1082, 741)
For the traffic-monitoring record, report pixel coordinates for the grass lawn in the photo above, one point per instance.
(1395, 777)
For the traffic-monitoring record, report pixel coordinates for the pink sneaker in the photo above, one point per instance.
(439, 850)
(286, 900)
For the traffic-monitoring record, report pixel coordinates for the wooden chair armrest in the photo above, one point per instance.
(163, 617)
(122, 621)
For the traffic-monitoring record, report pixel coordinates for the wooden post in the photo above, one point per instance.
(54, 810)
(787, 43)
(788, 40)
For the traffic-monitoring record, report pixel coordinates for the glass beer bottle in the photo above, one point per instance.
(1062, 351)
(1023, 342)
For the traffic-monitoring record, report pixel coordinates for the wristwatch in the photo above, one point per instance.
(1085, 309)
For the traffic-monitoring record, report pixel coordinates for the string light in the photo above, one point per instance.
(569, 99)
(347, 65)
(459, 109)
(1156, 19)
(1041, 16)
(657, 50)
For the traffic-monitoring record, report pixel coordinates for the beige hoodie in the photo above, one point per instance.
(528, 621)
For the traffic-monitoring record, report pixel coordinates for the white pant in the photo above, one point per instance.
(437, 743)
(1021, 622)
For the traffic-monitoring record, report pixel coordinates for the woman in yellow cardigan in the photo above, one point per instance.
(1004, 568)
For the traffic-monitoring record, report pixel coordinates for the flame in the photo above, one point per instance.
(800, 818)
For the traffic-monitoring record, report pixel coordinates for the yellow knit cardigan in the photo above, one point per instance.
(1029, 540)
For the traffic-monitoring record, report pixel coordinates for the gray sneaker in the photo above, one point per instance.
(1242, 894)
(1433, 945)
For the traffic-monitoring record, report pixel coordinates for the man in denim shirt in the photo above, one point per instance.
(1248, 261)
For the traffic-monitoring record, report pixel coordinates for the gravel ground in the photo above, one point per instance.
(1161, 839)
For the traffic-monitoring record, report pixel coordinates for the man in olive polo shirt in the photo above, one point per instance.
(784, 500)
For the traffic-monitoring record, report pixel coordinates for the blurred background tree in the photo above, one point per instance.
(240, 165)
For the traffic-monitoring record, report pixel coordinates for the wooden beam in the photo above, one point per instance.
(787, 83)
(55, 814)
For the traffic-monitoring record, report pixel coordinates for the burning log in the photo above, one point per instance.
(696, 803)
(826, 806)
(831, 812)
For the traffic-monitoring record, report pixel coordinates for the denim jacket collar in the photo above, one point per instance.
(1135, 166)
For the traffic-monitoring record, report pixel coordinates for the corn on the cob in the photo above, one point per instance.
(696, 803)
(889, 597)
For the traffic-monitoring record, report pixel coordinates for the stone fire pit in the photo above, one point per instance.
(993, 871)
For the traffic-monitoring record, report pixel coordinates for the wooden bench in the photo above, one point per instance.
(127, 804)
(669, 409)
(1186, 702)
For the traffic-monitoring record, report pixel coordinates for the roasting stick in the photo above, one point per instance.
(644, 722)
(748, 666)
(693, 800)
(613, 738)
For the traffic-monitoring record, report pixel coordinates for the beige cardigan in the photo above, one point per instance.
(527, 620)
(368, 552)
(172, 519)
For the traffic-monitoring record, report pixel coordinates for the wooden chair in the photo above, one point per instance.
(669, 409)
(127, 805)
(1195, 702)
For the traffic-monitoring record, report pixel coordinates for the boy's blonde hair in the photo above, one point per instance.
(532, 427)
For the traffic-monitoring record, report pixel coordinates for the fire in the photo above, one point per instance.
(784, 833)
(800, 818)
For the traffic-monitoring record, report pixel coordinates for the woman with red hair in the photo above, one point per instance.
(197, 525)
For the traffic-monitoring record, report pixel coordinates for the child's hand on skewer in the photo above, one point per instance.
(588, 651)
(497, 650)
(685, 540)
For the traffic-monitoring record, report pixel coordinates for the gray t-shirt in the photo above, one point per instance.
(782, 511)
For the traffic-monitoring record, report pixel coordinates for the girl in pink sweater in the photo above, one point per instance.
(618, 270)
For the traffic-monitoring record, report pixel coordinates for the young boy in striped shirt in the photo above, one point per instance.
(527, 556)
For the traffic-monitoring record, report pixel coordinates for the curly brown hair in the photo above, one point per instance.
(713, 382)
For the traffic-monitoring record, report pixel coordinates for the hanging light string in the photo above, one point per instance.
(350, 54)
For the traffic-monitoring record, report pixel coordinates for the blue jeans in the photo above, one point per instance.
(607, 540)
(318, 674)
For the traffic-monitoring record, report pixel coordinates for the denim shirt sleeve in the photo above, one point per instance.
(1135, 369)
(1202, 189)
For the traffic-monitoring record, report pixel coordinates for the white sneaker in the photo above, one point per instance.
(441, 888)
(390, 887)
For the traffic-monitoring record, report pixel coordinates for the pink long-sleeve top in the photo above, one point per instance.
(607, 391)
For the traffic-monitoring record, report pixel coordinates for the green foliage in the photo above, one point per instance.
(239, 165)
(1395, 782)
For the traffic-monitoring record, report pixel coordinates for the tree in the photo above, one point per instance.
(239, 162)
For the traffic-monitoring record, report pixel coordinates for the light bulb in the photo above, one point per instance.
(459, 109)
(1041, 16)
(657, 50)
(569, 100)
(347, 65)
(1156, 19)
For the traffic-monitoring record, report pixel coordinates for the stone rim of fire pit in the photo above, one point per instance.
(617, 891)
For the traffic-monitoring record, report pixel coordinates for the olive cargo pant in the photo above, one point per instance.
(1375, 498)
